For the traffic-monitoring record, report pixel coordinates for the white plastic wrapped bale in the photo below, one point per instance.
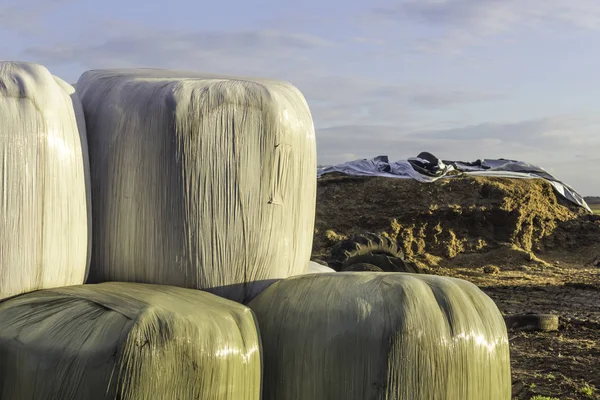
(259, 286)
(364, 335)
(316, 268)
(45, 202)
(198, 181)
(127, 341)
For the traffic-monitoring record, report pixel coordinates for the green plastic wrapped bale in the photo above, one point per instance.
(357, 336)
(127, 341)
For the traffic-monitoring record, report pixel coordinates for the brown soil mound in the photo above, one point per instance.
(436, 222)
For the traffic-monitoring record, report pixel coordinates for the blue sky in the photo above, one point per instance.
(463, 79)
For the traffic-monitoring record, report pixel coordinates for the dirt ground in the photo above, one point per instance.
(527, 249)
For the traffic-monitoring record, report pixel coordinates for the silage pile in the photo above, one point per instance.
(436, 222)
(203, 193)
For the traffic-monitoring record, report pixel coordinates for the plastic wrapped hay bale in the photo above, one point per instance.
(316, 268)
(312, 268)
(44, 182)
(260, 286)
(357, 336)
(198, 181)
(127, 341)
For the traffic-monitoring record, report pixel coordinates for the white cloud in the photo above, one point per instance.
(24, 15)
(339, 100)
(334, 99)
(498, 15)
(170, 49)
(456, 23)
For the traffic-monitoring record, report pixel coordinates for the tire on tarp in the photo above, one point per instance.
(362, 267)
(370, 248)
(384, 262)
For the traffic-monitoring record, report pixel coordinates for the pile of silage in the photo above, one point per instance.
(381, 336)
(44, 187)
(127, 341)
(199, 181)
(434, 223)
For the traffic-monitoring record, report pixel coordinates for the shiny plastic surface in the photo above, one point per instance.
(198, 181)
(127, 341)
(45, 216)
(365, 335)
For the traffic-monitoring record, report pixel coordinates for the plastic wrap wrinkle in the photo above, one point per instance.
(45, 226)
(199, 181)
(127, 341)
(381, 336)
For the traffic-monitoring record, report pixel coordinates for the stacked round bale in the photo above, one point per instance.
(204, 182)
(127, 341)
(44, 182)
(375, 335)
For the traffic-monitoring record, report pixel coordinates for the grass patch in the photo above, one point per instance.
(587, 390)
(595, 208)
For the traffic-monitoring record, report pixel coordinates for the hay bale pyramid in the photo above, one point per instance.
(155, 240)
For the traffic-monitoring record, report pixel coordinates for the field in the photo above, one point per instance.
(595, 208)
(526, 248)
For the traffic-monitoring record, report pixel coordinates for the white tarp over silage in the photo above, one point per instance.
(198, 181)
(44, 188)
(426, 171)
